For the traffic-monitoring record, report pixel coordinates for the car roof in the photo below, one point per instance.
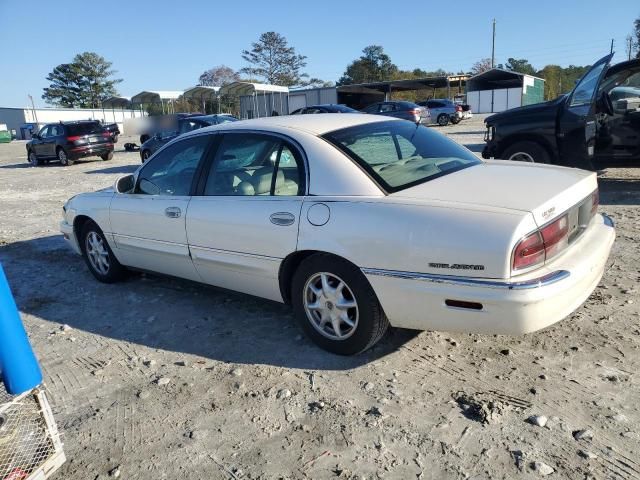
(73, 122)
(315, 124)
(213, 116)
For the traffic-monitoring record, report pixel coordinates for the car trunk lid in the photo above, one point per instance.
(545, 191)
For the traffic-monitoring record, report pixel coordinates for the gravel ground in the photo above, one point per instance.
(161, 378)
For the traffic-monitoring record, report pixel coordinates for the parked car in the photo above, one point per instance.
(325, 108)
(68, 142)
(185, 125)
(283, 208)
(404, 110)
(155, 124)
(577, 128)
(467, 113)
(443, 111)
(113, 129)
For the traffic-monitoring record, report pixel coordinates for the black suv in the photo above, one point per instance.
(599, 121)
(70, 141)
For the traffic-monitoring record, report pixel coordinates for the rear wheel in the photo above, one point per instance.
(455, 120)
(107, 156)
(115, 139)
(144, 138)
(335, 305)
(527, 151)
(33, 159)
(98, 256)
(443, 119)
(145, 155)
(63, 158)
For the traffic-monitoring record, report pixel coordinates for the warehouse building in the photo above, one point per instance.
(497, 90)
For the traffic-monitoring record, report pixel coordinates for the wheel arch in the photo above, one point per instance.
(291, 263)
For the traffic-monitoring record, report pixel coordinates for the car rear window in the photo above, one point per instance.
(400, 154)
(87, 128)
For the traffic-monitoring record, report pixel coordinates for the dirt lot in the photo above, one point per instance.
(157, 378)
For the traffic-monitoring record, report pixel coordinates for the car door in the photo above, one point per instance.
(55, 137)
(148, 225)
(577, 122)
(38, 144)
(244, 220)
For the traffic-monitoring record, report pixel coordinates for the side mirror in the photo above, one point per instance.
(36, 136)
(124, 184)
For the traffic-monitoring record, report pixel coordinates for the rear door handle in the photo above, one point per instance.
(172, 212)
(282, 219)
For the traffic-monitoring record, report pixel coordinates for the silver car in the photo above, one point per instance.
(442, 111)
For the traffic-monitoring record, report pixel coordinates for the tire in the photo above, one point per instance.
(107, 156)
(62, 157)
(455, 120)
(98, 256)
(443, 119)
(145, 154)
(144, 138)
(115, 139)
(526, 151)
(33, 159)
(323, 273)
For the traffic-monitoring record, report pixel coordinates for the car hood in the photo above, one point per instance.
(543, 190)
(524, 111)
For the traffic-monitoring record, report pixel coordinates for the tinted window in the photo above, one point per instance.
(388, 107)
(44, 133)
(372, 108)
(399, 154)
(342, 109)
(585, 89)
(171, 171)
(189, 125)
(56, 130)
(86, 128)
(252, 164)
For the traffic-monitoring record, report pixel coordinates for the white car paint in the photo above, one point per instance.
(473, 216)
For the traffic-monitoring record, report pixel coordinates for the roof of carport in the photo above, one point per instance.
(201, 91)
(497, 78)
(249, 88)
(402, 85)
(155, 96)
(117, 102)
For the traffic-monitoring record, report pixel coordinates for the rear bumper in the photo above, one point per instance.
(89, 150)
(510, 307)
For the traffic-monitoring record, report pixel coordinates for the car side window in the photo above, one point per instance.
(171, 171)
(56, 131)
(372, 108)
(387, 107)
(585, 89)
(44, 132)
(248, 164)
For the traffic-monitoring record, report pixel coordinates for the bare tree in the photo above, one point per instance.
(481, 66)
(218, 76)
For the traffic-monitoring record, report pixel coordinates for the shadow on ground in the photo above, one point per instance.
(619, 191)
(124, 169)
(51, 282)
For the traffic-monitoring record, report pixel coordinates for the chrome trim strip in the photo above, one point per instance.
(543, 281)
(608, 221)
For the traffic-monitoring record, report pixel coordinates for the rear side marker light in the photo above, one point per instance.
(462, 304)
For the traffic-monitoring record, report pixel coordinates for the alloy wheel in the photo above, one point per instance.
(62, 156)
(521, 157)
(97, 253)
(331, 306)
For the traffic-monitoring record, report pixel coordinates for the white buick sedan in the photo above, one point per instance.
(358, 221)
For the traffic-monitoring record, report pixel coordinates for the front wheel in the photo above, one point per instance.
(335, 305)
(63, 158)
(107, 156)
(526, 151)
(98, 256)
(33, 159)
(145, 155)
(443, 119)
(455, 120)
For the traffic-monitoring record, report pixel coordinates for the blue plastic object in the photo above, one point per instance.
(18, 365)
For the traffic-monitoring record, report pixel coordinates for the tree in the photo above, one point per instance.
(481, 66)
(218, 76)
(636, 33)
(83, 83)
(520, 65)
(373, 66)
(273, 60)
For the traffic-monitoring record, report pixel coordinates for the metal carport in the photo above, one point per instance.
(274, 98)
(155, 97)
(202, 94)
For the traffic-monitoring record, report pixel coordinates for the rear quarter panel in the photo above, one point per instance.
(387, 234)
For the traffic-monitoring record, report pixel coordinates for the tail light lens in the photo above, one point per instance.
(415, 111)
(106, 134)
(542, 244)
(529, 252)
(73, 138)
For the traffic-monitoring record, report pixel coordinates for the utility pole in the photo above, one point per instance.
(611, 46)
(33, 108)
(493, 45)
(630, 46)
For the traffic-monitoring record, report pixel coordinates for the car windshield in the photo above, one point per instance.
(87, 128)
(400, 154)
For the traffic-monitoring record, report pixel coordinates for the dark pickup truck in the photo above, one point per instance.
(598, 121)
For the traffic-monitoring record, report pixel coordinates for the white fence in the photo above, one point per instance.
(492, 101)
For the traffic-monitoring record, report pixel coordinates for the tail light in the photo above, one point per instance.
(73, 138)
(415, 111)
(542, 244)
(106, 134)
(458, 108)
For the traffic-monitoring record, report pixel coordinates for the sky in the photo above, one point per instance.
(162, 45)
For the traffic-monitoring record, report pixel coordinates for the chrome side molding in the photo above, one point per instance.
(542, 281)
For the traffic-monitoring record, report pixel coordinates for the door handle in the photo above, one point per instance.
(172, 212)
(282, 219)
